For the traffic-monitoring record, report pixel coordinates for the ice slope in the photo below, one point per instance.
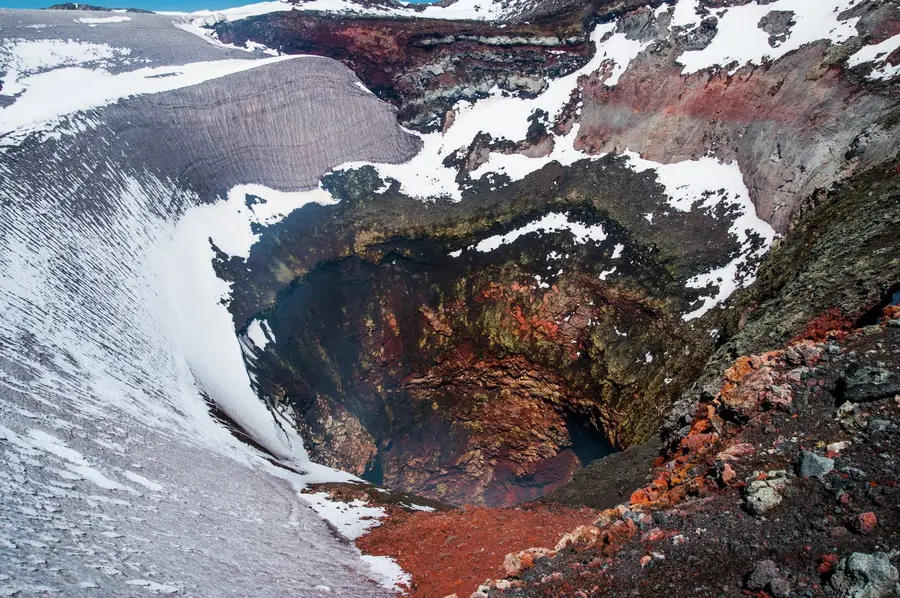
(114, 478)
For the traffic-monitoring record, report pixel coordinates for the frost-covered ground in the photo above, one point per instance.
(126, 147)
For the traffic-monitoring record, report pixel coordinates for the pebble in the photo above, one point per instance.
(865, 523)
(878, 425)
(763, 573)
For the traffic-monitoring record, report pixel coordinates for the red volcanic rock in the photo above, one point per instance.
(829, 322)
(514, 564)
(865, 523)
(727, 475)
(455, 551)
(778, 113)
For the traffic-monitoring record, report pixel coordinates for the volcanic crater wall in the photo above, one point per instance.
(404, 353)
(403, 346)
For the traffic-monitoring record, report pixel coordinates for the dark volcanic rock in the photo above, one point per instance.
(869, 384)
(762, 575)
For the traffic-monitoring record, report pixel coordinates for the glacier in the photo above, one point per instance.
(126, 152)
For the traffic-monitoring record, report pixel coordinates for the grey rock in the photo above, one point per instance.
(812, 465)
(778, 25)
(763, 573)
(864, 575)
(870, 384)
(878, 425)
(761, 496)
(779, 588)
(700, 37)
(893, 323)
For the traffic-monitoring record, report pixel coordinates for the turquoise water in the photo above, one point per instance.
(180, 5)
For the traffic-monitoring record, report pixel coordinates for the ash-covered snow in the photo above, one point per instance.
(115, 478)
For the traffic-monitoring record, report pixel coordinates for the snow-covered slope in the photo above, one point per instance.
(117, 139)
(475, 10)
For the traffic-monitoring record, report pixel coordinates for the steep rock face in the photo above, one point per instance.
(424, 66)
(455, 372)
(838, 265)
(473, 372)
(794, 125)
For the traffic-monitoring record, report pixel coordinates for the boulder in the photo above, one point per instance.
(864, 575)
(870, 384)
(812, 465)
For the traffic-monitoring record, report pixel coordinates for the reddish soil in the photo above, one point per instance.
(455, 551)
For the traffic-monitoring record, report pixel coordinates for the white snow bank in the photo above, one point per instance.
(198, 322)
(93, 21)
(878, 54)
(20, 57)
(552, 222)
(685, 14)
(739, 38)
(702, 184)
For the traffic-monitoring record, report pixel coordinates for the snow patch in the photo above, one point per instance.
(139, 479)
(94, 21)
(351, 519)
(740, 40)
(552, 222)
(388, 572)
(703, 184)
(878, 53)
(256, 334)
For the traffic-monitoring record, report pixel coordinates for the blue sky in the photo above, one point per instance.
(183, 5)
